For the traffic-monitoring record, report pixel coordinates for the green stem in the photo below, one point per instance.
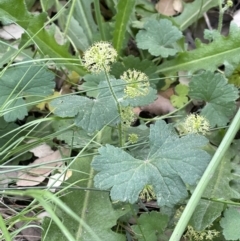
(221, 12)
(206, 178)
(4, 229)
(70, 14)
(99, 19)
(222, 201)
(120, 127)
(87, 196)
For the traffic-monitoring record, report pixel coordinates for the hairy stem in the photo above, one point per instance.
(221, 12)
(120, 126)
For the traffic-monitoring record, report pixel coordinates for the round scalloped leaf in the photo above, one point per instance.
(217, 93)
(131, 62)
(230, 224)
(158, 37)
(166, 168)
(22, 82)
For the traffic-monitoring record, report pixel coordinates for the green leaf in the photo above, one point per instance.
(119, 86)
(193, 11)
(207, 56)
(93, 114)
(91, 82)
(7, 52)
(205, 214)
(158, 37)
(124, 10)
(230, 224)
(46, 5)
(217, 93)
(166, 168)
(5, 133)
(139, 100)
(4, 230)
(235, 77)
(74, 136)
(131, 62)
(77, 35)
(219, 188)
(145, 8)
(181, 98)
(94, 207)
(15, 10)
(90, 114)
(23, 81)
(178, 101)
(84, 15)
(152, 225)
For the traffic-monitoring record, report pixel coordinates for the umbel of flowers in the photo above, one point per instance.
(137, 83)
(196, 124)
(99, 57)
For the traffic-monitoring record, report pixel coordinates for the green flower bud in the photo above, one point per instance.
(133, 138)
(229, 3)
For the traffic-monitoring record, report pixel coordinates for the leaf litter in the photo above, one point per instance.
(47, 162)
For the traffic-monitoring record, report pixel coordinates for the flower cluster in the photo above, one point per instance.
(133, 138)
(229, 3)
(137, 83)
(127, 115)
(196, 124)
(99, 57)
(178, 214)
(208, 234)
(147, 193)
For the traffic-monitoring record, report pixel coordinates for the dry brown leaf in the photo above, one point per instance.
(183, 77)
(169, 7)
(11, 31)
(165, 7)
(137, 111)
(178, 6)
(59, 37)
(57, 179)
(7, 177)
(160, 106)
(34, 176)
(167, 93)
(43, 215)
(236, 18)
(42, 150)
